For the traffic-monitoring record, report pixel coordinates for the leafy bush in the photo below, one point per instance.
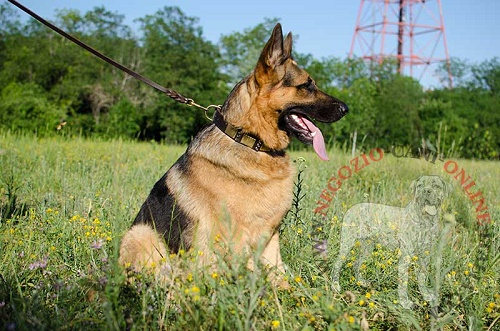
(26, 107)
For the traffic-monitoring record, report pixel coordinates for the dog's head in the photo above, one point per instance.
(279, 99)
(429, 193)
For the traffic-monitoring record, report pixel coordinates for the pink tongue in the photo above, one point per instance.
(318, 141)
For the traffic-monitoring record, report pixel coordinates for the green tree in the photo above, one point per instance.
(177, 56)
(329, 72)
(95, 85)
(241, 50)
(441, 125)
(354, 69)
(460, 72)
(122, 120)
(474, 100)
(487, 76)
(25, 107)
(397, 103)
(361, 99)
(73, 78)
(9, 21)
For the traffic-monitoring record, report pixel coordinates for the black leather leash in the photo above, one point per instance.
(170, 93)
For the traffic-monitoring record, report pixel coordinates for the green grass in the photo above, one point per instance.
(64, 205)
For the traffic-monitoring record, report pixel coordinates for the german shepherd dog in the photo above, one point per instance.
(234, 183)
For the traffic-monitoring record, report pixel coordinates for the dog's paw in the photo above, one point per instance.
(363, 283)
(406, 303)
(283, 284)
(278, 280)
(336, 286)
(431, 298)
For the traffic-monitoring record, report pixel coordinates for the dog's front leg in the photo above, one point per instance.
(271, 257)
(428, 293)
(404, 264)
(366, 250)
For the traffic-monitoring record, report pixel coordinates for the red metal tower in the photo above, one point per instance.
(410, 31)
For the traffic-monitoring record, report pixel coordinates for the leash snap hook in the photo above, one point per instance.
(190, 103)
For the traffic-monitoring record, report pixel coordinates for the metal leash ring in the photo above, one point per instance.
(190, 103)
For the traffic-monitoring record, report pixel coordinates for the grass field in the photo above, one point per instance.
(64, 204)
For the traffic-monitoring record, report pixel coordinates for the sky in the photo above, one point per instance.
(323, 28)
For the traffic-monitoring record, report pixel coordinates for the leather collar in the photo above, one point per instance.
(238, 135)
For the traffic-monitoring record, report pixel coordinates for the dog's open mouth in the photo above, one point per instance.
(430, 210)
(306, 132)
(431, 205)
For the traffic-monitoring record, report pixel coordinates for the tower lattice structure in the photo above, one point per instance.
(411, 32)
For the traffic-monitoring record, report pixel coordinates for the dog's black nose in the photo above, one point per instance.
(343, 108)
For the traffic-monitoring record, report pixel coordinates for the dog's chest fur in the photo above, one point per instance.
(221, 191)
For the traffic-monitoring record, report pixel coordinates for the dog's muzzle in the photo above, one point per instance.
(431, 200)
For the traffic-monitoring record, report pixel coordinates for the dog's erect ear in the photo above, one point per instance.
(447, 187)
(273, 55)
(413, 185)
(287, 46)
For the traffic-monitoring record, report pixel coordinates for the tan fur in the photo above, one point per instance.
(141, 247)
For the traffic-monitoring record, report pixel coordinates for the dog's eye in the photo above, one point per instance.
(309, 85)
